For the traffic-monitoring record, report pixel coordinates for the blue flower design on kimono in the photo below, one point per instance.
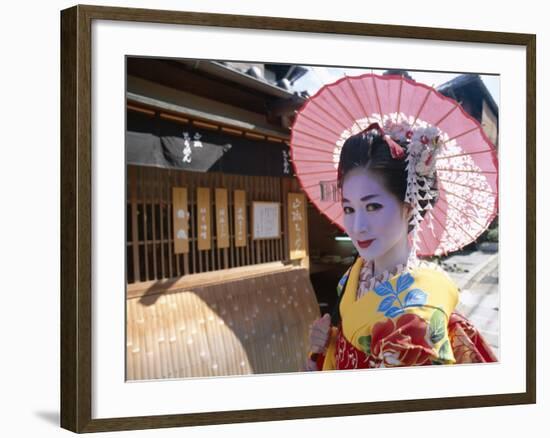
(393, 305)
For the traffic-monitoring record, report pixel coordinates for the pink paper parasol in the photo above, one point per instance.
(466, 167)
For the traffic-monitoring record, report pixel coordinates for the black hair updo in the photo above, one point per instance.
(371, 151)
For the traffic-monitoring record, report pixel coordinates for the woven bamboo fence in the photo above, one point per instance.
(252, 325)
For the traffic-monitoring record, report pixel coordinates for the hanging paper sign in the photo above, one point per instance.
(180, 220)
(203, 218)
(266, 220)
(222, 225)
(286, 162)
(297, 225)
(240, 217)
(186, 148)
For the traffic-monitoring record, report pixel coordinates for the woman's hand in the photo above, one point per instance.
(319, 334)
(318, 339)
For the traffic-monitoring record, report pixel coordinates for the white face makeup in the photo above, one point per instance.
(375, 220)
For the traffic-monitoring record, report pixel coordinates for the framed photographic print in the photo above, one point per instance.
(264, 217)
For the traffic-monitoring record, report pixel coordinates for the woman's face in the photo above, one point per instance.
(375, 220)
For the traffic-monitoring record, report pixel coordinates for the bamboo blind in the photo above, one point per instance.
(258, 324)
(150, 245)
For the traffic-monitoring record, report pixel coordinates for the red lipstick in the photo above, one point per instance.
(364, 244)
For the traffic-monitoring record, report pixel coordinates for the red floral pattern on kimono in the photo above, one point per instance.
(404, 344)
(348, 357)
(467, 343)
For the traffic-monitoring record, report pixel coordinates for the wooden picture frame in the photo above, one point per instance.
(76, 218)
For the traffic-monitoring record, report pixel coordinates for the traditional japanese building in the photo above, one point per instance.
(206, 124)
(217, 224)
(474, 97)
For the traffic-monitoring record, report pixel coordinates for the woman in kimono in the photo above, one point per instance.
(393, 309)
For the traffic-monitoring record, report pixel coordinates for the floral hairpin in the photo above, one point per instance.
(417, 144)
(423, 144)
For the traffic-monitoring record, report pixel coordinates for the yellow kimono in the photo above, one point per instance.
(407, 320)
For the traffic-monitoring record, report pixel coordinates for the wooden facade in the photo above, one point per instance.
(203, 296)
(149, 223)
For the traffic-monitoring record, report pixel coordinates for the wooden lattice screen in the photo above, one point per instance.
(149, 234)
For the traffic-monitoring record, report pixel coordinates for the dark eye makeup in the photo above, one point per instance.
(371, 206)
(348, 210)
